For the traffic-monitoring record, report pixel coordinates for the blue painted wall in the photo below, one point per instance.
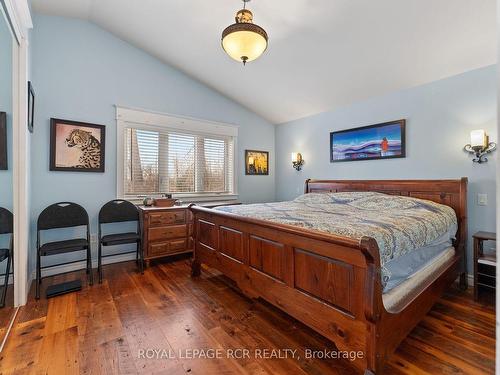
(6, 106)
(80, 71)
(439, 116)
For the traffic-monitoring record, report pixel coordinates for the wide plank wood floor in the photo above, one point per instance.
(104, 328)
(7, 312)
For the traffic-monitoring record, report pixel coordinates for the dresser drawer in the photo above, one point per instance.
(166, 233)
(158, 219)
(164, 248)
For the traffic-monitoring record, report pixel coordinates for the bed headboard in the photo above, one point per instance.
(452, 193)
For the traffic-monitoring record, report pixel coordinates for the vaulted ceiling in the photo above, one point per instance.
(323, 54)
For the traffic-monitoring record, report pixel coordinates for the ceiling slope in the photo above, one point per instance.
(323, 54)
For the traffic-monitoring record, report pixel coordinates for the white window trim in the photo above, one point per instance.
(155, 120)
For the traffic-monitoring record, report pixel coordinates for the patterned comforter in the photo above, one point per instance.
(400, 225)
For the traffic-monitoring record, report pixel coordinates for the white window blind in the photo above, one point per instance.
(161, 160)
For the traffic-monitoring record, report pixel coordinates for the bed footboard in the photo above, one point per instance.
(330, 283)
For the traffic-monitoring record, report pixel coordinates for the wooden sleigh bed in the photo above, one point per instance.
(330, 283)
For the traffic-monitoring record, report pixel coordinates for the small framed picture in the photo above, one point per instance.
(76, 146)
(3, 142)
(256, 162)
(31, 107)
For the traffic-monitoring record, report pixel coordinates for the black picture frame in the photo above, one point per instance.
(31, 107)
(402, 131)
(54, 123)
(4, 165)
(248, 167)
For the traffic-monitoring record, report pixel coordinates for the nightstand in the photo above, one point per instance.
(484, 264)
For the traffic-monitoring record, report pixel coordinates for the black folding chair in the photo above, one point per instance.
(119, 211)
(6, 228)
(58, 216)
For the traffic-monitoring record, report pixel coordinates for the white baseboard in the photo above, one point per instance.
(56, 270)
(470, 279)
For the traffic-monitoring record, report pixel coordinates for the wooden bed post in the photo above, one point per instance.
(463, 233)
(195, 263)
(373, 305)
(306, 186)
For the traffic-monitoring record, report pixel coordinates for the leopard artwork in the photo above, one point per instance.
(90, 147)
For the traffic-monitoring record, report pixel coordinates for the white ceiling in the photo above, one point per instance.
(323, 54)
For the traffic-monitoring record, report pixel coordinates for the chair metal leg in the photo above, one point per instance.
(6, 282)
(38, 276)
(99, 262)
(89, 267)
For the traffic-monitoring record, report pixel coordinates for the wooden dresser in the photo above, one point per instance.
(168, 230)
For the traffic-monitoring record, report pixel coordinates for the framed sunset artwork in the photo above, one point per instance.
(256, 162)
(76, 146)
(379, 141)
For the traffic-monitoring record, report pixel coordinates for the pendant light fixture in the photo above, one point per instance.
(244, 41)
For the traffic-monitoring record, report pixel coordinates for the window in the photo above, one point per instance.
(166, 154)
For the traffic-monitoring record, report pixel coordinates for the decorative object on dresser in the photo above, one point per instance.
(485, 264)
(31, 107)
(480, 145)
(3, 142)
(166, 231)
(166, 200)
(76, 146)
(119, 211)
(379, 141)
(329, 282)
(148, 201)
(256, 162)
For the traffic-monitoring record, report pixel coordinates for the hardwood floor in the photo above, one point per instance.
(106, 328)
(7, 312)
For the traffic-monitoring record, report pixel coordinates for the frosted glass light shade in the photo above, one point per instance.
(244, 42)
(478, 138)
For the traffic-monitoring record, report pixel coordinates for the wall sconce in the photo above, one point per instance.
(297, 160)
(480, 146)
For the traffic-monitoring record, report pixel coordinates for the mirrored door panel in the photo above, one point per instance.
(6, 181)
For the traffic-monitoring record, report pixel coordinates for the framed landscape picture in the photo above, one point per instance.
(379, 141)
(256, 162)
(76, 146)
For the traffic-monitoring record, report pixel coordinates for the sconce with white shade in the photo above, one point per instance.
(480, 146)
(297, 160)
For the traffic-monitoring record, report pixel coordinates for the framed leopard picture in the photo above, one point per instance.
(76, 146)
